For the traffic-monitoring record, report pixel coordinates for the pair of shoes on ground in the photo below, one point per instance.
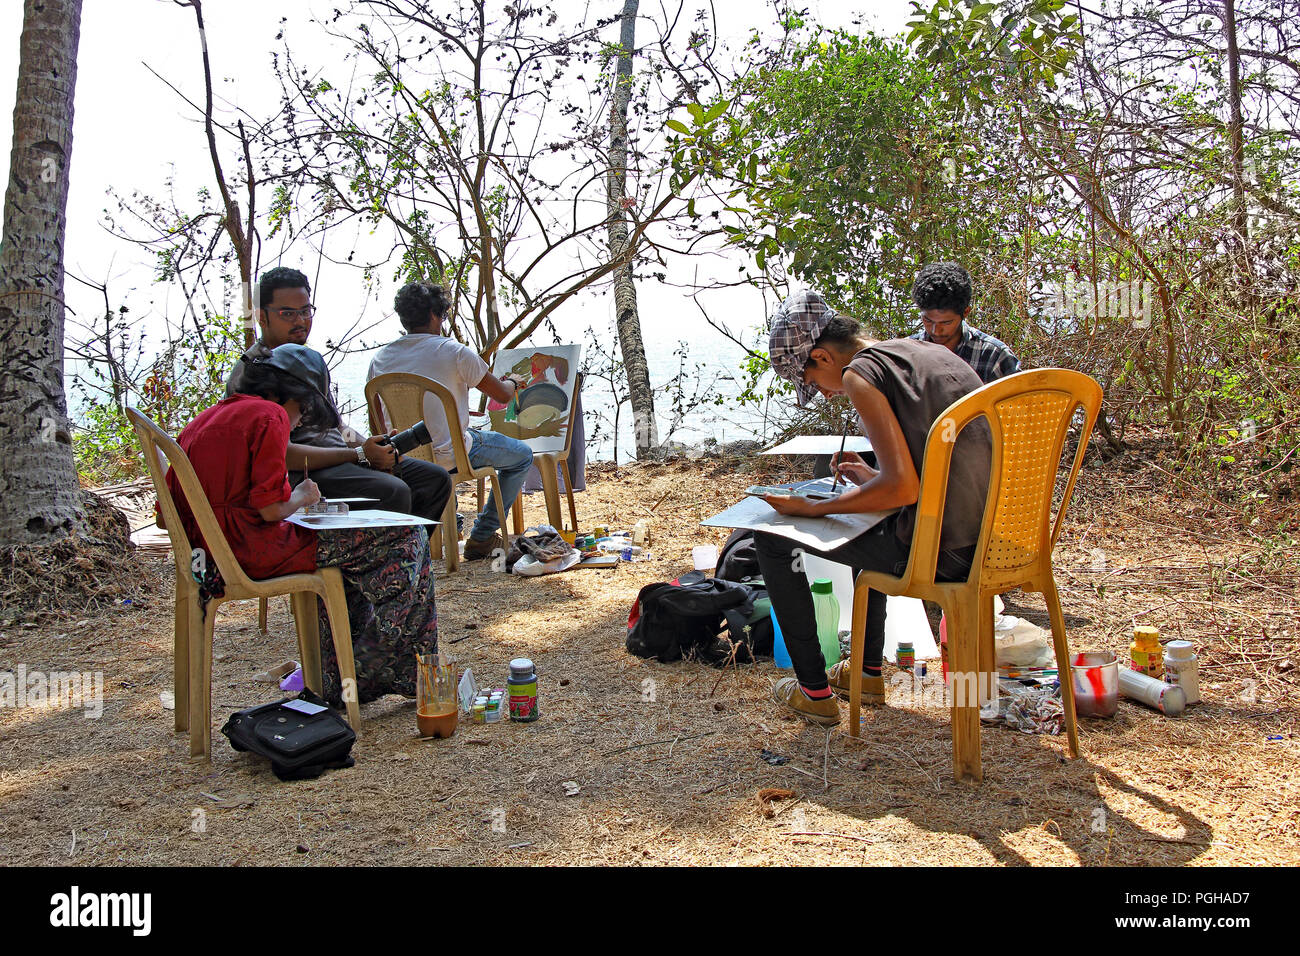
(826, 712)
(474, 550)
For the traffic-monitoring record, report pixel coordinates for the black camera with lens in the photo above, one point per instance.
(413, 437)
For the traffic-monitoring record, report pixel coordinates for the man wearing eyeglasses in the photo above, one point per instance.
(942, 292)
(342, 466)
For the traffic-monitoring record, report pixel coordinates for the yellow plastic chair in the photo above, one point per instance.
(1029, 414)
(402, 396)
(192, 663)
(547, 462)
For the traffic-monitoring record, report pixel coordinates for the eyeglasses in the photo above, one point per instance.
(288, 315)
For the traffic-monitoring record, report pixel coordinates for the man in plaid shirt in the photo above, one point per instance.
(943, 292)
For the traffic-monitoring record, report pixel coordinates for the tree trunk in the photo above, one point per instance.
(39, 496)
(1240, 221)
(629, 322)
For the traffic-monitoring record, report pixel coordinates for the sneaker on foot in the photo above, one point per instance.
(790, 695)
(873, 688)
(474, 550)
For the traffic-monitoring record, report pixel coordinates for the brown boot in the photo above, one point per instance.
(790, 695)
(475, 550)
(873, 688)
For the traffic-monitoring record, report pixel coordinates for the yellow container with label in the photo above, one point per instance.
(1146, 656)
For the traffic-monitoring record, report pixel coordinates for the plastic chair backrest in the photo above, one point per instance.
(157, 448)
(402, 394)
(1029, 416)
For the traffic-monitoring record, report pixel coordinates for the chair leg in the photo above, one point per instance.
(261, 615)
(857, 648)
(964, 672)
(481, 492)
(551, 490)
(187, 623)
(568, 489)
(518, 512)
(501, 511)
(337, 605)
(987, 646)
(450, 537)
(305, 615)
(201, 688)
(1062, 663)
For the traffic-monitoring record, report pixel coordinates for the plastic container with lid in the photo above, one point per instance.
(827, 612)
(523, 690)
(1182, 669)
(1169, 699)
(1145, 654)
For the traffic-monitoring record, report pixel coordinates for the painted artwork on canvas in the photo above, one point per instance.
(539, 414)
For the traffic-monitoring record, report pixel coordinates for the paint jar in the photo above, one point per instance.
(437, 707)
(523, 690)
(1095, 676)
(905, 656)
(1182, 668)
(1169, 699)
(1145, 654)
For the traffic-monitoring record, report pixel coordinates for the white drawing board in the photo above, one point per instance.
(818, 445)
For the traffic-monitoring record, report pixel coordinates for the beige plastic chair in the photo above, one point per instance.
(1029, 414)
(192, 663)
(547, 462)
(402, 395)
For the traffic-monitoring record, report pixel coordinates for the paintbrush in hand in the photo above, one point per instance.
(839, 459)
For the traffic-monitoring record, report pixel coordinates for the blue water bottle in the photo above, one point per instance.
(779, 652)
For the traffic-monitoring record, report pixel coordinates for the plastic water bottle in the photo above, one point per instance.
(827, 611)
(779, 653)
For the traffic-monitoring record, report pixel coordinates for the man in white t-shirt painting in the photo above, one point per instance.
(424, 350)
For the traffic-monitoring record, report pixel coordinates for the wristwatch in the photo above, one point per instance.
(361, 456)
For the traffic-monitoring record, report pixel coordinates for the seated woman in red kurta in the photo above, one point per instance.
(238, 449)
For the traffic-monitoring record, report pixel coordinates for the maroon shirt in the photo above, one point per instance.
(237, 448)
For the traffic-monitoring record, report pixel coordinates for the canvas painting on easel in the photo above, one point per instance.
(539, 415)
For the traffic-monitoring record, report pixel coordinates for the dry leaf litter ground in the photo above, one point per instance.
(609, 775)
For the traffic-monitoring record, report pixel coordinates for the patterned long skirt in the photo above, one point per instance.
(391, 609)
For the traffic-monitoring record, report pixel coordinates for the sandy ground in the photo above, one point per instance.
(608, 775)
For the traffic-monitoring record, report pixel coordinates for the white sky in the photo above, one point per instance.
(132, 133)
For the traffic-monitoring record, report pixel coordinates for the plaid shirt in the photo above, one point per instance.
(989, 357)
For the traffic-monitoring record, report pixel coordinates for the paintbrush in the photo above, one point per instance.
(839, 459)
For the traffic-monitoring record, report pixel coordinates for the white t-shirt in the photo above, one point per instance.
(456, 367)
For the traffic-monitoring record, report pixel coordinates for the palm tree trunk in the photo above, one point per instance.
(628, 320)
(39, 496)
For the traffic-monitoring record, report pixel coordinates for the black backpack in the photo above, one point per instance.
(738, 561)
(300, 746)
(685, 619)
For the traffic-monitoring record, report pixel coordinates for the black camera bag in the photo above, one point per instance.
(300, 746)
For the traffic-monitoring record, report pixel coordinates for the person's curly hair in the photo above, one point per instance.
(281, 277)
(416, 301)
(942, 285)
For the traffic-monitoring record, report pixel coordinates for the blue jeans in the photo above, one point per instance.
(512, 459)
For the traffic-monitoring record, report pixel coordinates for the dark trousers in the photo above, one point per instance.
(878, 550)
(415, 487)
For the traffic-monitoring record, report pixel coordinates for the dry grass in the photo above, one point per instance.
(679, 779)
